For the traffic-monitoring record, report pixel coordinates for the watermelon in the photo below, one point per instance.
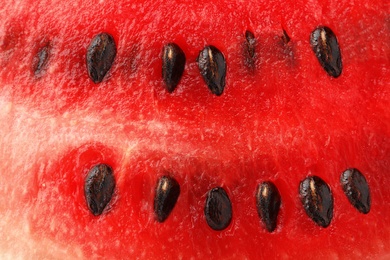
(195, 129)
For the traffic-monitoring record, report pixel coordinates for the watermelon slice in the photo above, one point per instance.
(195, 129)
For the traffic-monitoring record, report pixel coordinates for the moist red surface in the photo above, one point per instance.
(282, 122)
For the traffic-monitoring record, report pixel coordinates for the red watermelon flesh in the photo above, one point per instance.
(281, 121)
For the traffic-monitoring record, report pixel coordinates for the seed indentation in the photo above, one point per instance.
(101, 53)
(99, 188)
(167, 193)
(212, 66)
(250, 50)
(356, 189)
(268, 202)
(218, 209)
(326, 47)
(41, 60)
(317, 200)
(285, 38)
(173, 62)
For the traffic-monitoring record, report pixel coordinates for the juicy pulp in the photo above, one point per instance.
(283, 121)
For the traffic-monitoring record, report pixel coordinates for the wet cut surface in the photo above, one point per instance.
(278, 123)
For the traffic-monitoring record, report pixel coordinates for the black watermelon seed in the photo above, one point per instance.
(99, 188)
(41, 60)
(356, 189)
(101, 53)
(218, 209)
(268, 204)
(173, 62)
(167, 193)
(250, 49)
(317, 200)
(212, 66)
(325, 46)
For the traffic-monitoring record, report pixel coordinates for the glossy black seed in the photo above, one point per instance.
(250, 49)
(325, 46)
(268, 204)
(356, 189)
(101, 53)
(167, 193)
(99, 188)
(317, 200)
(218, 209)
(173, 62)
(41, 60)
(212, 66)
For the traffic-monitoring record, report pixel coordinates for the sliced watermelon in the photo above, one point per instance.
(287, 114)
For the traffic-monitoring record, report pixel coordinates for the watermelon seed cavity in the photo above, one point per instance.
(356, 189)
(99, 188)
(325, 46)
(268, 204)
(173, 62)
(41, 60)
(218, 209)
(100, 56)
(249, 50)
(212, 67)
(167, 193)
(285, 38)
(317, 199)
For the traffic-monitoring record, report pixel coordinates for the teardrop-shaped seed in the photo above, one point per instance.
(268, 204)
(325, 46)
(101, 53)
(41, 60)
(356, 189)
(173, 62)
(99, 188)
(218, 209)
(212, 66)
(317, 200)
(167, 193)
